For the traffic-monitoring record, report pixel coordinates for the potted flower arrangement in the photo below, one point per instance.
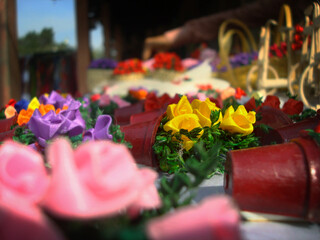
(99, 72)
(167, 66)
(130, 69)
(8, 119)
(278, 125)
(165, 142)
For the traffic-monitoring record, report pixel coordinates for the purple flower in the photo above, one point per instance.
(56, 100)
(103, 63)
(100, 130)
(51, 124)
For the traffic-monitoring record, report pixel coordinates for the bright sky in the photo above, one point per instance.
(34, 15)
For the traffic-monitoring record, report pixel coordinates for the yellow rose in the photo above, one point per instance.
(187, 122)
(239, 121)
(34, 103)
(183, 107)
(203, 110)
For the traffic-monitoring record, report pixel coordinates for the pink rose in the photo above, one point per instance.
(98, 179)
(214, 218)
(23, 182)
(22, 173)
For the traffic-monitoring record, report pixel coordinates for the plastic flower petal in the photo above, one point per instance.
(239, 121)
(34, 103)
(22, 104)
(22, 174)
(214, 218)
(203, 110)
(10, 112)
(182, 107)
(101, 129)
(187, 122)
(89, 182)
(24, 116)
(44, 109)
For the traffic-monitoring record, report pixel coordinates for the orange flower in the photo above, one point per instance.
(65, 107)
(10, 112)
(24, 116)
(139, 94)
(44, 109)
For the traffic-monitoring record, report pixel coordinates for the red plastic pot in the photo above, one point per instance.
(122, 115)
(146, 116)
(142, 136)
(6, 135)
(5, 124)
(281, 179)
(286, 133)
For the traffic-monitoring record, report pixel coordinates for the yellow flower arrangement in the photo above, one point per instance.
(239, 121)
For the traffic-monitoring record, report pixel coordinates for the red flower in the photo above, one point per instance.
(204, 87)
(272, 101)
(317, 129)
(251, 105)
(168, 61)
(11, 102)
(239, 93)
(153, 102)
(292, 107)
(95, 97)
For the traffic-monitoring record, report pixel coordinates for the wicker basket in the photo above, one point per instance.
(236, 76)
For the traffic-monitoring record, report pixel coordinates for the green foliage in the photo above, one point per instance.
(43, 41)
(2, 116)
(24, 135)
(171, 155)
(306, 113)
(314, 135)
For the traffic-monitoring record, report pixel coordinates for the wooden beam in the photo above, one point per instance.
(83, 49)
(105, 21)
(10, 78)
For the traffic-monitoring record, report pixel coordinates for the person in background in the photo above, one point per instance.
(206, 28)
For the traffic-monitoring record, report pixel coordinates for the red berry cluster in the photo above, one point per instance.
(170, 61)
(129, 66)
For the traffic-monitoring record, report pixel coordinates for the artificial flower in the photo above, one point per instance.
(11, 102)
(214, 218)
(182, 107)
(34, 103)
(203, 110)
(22, 174)
(138, 93)
(239, 121)
(95, 97)
(65, 107)
(10, 112)
(153, 102)
(239, 93)
(292, 107)
(55, 99)
(100, 130)
(187, 122)
(44, 109)
(22, 104)
(48, 126)
(83, 181)
(24, 116)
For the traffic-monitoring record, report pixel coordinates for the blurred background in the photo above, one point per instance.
(49, 44)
